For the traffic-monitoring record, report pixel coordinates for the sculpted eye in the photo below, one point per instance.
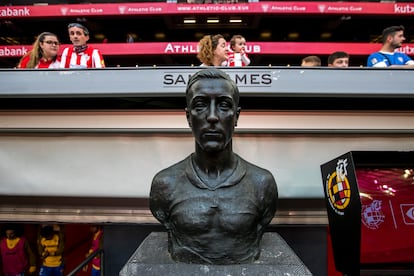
(199, 105)
(225, 105)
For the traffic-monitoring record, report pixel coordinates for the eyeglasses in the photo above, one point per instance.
(56, 43)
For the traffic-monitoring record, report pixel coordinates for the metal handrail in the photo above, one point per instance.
(86, 261)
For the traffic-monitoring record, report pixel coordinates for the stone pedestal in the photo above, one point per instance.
(152, 259)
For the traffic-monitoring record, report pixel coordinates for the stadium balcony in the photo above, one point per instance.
(277, 33)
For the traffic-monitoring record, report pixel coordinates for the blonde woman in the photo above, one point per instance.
(213, 50)
(44, 53)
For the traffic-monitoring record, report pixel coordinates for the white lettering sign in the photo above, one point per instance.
(12, 52)
(407, 8)
(7, 12)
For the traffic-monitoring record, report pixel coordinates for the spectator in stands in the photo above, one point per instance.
(51, 246)
(238, 56)
(17, 257)
(311, 61)
(130, 38)
(213, 50)
(44, 53)
(80, 55)
(96, 244)
(392, 39)
(338, 59)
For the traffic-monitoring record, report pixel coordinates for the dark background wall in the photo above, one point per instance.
(308, 242)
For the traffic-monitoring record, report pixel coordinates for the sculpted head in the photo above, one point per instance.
(212, 108)
(214, 204)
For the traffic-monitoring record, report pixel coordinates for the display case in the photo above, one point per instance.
(370, 205)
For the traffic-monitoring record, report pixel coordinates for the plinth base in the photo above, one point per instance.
(152, 259)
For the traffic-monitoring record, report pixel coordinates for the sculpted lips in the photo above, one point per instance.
(212, 134)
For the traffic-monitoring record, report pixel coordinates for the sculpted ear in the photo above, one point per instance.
(187, 115)
(237, 116)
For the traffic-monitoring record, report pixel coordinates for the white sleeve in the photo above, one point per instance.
(381, 64)
(245, 59)
(97, 59)
(63, 58)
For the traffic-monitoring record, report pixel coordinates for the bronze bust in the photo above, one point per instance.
(214, 204)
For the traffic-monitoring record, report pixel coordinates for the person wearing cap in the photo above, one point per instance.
(392, 39)
(80, 55)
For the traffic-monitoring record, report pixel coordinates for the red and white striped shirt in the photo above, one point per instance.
(43, 63)
(89, 58)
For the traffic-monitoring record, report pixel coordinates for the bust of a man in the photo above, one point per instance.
(214, 204)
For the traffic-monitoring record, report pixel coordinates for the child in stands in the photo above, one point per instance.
(238, 56)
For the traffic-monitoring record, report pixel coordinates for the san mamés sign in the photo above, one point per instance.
(251, 78)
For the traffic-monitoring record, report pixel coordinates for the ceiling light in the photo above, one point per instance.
(293, 35)
(213, 20)
(326, 35)
(189, 21)
(235, 21)
(265, 34)
(159, 35)
(99, 36)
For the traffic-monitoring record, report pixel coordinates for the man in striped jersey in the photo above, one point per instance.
(80, 55)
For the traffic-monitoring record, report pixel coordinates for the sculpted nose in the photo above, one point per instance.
(212, 114)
